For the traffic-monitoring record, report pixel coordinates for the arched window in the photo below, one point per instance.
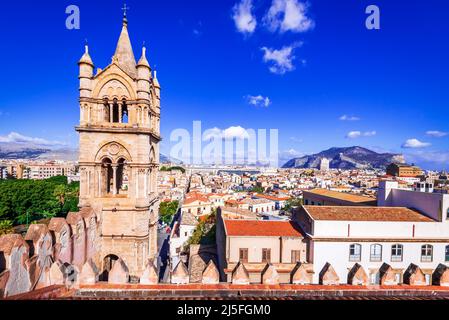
(124, 116)
(106, 176)
(426, 253)
(355, 252)
(446, 254)
(375, 253)
(396, 252)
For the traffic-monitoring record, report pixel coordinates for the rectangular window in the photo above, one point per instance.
(296, 256)
(426, 253)
(396, 253)
(355, 252)
(266, 255)
(376, 253)
(243, 255)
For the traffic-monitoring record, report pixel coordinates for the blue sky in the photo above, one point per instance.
(341, 84)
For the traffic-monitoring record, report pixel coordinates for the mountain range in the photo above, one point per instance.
(347, 158)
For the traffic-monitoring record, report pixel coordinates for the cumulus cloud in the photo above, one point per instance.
(234, 132)
(280, 61)
(357, 134)
(244, 20)
(415, 143)
(436, 133)
(258, 101)
(349, 118)
(288, 15)
(18, 138)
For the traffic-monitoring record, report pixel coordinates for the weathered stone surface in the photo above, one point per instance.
(4, 276)
(89, 273)
(387, 277)
(270, 275)
(57, 273)
(301, 274)
(119, 273)
(40, 240)
(78, 229)
(180, 274)
(328, 276)
(211, 274)
(357, 276)
(240, 275)
(440, 276)
(62, 249)
(16, 259)
(414, 276)
(150, 275)
(90, 221)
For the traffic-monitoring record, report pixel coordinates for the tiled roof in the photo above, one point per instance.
(351, 213)
(340, 195)
(261, 228)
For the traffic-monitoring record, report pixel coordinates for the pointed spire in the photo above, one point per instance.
(86, 57)
(124, 54)
(143, 60)
(155, 81)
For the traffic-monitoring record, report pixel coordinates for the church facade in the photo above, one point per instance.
(119, 134)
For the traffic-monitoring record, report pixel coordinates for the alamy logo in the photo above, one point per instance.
(372, 22)
(72, 22)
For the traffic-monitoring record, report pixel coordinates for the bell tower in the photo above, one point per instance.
(119, 154)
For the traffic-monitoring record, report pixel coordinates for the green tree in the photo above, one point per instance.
(167, 210)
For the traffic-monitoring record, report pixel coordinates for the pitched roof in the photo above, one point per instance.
(340, 195)
(262, 228)
(351, 213)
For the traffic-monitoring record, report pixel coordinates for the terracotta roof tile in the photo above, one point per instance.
(351, 213)
(261, 228)
(340, 195)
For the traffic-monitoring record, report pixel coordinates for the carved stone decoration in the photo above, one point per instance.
(89, 273)
(62, 249)
(301, 274)
(328, 276)
(180, 274)
(240, 275)
(211, 274)
(57, 274)
(15, 253)
(270, 275)
(414, 276)
(387, 276)
(440, 276)
(357, 276)
(150, 274)
(119, 273)
(78, 229)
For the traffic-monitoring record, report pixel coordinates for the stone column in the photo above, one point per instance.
(111, 112)
(114, 179)
(120, 113)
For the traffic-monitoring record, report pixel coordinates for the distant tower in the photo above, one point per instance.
(119, 154)
(324, 164)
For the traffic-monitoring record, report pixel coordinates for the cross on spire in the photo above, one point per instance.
(125, 9)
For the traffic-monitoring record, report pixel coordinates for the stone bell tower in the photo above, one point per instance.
(119, 155)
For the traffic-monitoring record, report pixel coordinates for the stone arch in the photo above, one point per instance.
(107, 263)
(152, 155)
(114, 86)
(114, 151)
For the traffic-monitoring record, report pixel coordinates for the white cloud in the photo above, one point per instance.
(415, 143)
(244, 20)
(258, 101)
(236, 132)
(357, 134)
(436, 133)
(288, 15)
(15, 137)
(349, 118)
(280, 60)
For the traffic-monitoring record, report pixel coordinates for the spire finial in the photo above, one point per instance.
(125, 10)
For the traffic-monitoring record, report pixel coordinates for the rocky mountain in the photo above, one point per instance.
(347, 158)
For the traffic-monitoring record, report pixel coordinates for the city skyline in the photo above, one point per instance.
(381, 89)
